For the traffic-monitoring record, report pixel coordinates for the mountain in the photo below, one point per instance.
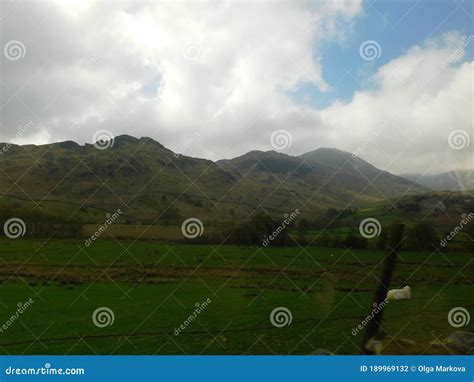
(350, 172)
(457, 180)
(148, 181)
(332, 176)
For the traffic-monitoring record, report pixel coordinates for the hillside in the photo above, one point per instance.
(327, 176)
(153, 185)
(458, 180)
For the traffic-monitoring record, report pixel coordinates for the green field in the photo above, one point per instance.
(152, 288)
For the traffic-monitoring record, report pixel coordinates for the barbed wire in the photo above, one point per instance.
(169, 332)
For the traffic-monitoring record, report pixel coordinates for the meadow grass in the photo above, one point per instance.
(152, 288)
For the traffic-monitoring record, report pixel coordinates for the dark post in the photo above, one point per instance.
(395, 239)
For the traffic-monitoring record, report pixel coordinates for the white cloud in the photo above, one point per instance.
(418, 101)
(124, 68)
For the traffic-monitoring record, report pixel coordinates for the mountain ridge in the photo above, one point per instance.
(145, 177)
(454, 180)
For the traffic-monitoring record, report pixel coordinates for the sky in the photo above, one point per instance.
(390, 81)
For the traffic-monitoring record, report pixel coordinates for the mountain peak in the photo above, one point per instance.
(68, 145)
(124, 139)
(326, 149)
(272, 161)
(333, 158)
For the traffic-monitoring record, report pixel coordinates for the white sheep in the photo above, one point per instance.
(399, 294)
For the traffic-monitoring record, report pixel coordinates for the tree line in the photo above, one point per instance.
(256, 231)
(42, 224)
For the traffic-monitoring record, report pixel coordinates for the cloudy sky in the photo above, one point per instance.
(391, 81)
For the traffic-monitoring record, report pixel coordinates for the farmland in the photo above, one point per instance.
(152, 288)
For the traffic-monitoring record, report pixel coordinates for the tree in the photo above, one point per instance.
(170, 214)
(302, 226)
(423, 236)
(355, 242)
(260, 230)
(469, 230)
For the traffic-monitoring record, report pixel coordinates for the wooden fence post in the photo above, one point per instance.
(395, 239)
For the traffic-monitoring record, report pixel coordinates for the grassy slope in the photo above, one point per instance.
(144, 179)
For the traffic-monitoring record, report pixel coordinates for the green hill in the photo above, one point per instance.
(153, 185)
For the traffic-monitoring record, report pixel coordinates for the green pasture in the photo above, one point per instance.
(152, 288)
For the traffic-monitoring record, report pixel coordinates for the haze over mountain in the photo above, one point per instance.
(145, 178)
(457, 180)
